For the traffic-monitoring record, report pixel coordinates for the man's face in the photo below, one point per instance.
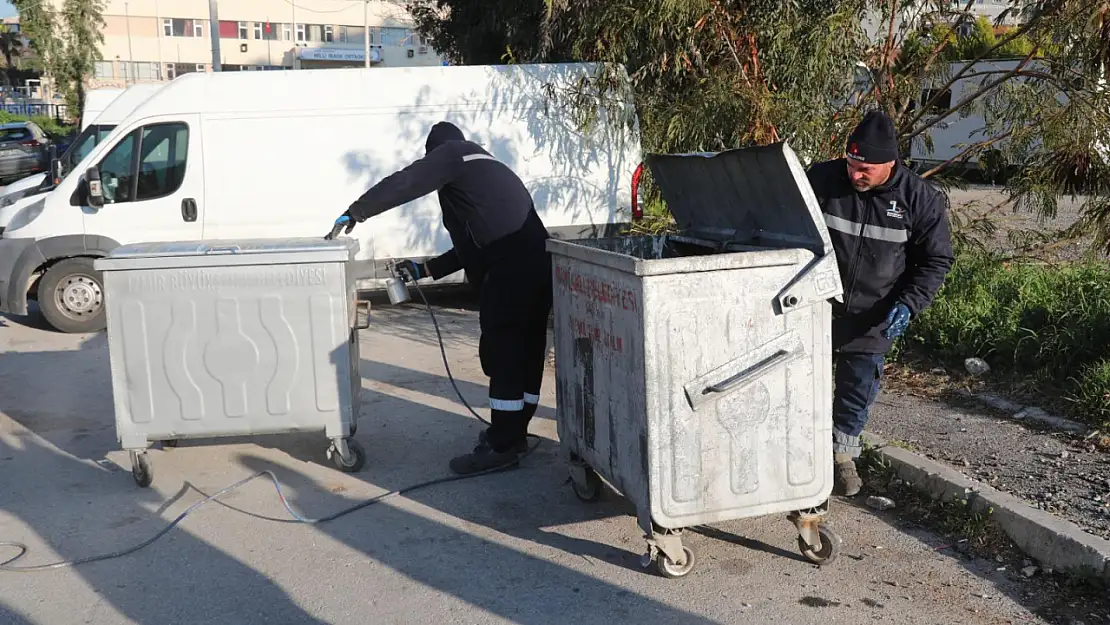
(867, 176)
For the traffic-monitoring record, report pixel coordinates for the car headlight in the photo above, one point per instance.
(27, 215)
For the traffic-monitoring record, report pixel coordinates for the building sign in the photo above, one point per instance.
(346, 55)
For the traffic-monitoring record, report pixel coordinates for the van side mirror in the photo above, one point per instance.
(96, 193)
(56, 171)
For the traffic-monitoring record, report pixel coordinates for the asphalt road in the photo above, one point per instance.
(516, 547)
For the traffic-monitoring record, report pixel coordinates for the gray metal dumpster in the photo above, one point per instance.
(230, 338)
(694, 369)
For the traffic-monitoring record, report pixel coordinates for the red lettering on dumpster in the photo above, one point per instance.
(601, 291)
(583, 328)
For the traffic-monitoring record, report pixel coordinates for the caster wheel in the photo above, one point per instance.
(140, 470)
(829, 550)
(591, 490)
(357, 461)
(667, 568)
(170, 444)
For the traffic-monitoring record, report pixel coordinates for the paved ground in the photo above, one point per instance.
(512, 548)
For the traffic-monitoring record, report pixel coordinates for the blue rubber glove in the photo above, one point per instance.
(897, 321)
(411, 270)
(345, 221)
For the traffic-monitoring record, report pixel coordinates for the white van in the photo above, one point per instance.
(91, 134)
(235, 155)
(952, 136)
(96, 102)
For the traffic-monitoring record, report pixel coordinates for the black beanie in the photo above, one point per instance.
(442, 133)
(873, 140)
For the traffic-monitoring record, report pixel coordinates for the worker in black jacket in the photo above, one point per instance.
(500, 243)
(890, 231)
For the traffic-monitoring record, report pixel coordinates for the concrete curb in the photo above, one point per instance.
(1052, 541)
(1018, 412)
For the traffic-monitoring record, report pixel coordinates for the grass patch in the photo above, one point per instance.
(974, 531)
(1043, 328)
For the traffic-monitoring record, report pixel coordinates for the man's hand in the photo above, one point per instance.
(345, 221)
(897, 321)
(411, 270)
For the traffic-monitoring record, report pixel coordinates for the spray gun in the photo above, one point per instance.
(395, 283)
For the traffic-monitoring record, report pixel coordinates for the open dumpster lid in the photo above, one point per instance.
(171, 254)
(758, 195)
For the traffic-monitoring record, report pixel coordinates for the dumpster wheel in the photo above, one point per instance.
(356, 456)
(827, 552)
(667, 568)
(140, 469)
(589, 490)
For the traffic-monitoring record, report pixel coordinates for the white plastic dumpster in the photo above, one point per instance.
(694, 370)
(230, 338)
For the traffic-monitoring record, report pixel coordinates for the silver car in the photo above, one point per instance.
(24, 150)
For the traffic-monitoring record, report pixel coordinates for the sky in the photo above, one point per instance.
(6, 9)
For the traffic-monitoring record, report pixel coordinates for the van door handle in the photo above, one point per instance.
(189, 209)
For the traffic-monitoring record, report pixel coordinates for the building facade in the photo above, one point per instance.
(158, 40)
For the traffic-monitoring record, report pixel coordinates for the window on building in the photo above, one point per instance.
(171, 71)
(315, 32)
(301, 32)
(201, 68)
(392, 36)
(104, 69)
(286, 32)
(243, 30)
(266, 31)
(175, 27)
(328, 34)
(140, 71)
(354, 34)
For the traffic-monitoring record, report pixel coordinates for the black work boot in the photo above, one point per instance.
(847, 480)
(484, 458)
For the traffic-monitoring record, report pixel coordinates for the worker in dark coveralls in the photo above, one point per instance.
(890, 231)
(500, 243)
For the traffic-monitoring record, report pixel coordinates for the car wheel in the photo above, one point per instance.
(71, 296)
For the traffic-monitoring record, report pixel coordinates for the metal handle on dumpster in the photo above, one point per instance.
(362, 315)
(740, 378)
(223, 249)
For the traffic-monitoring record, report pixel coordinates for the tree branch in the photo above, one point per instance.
(966, 153)
(975, 96)
(967, 66)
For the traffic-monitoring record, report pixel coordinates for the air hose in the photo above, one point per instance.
(296, 517)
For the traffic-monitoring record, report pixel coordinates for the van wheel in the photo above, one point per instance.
(71, 296)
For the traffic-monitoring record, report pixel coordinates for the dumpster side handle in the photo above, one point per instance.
(759, 369)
